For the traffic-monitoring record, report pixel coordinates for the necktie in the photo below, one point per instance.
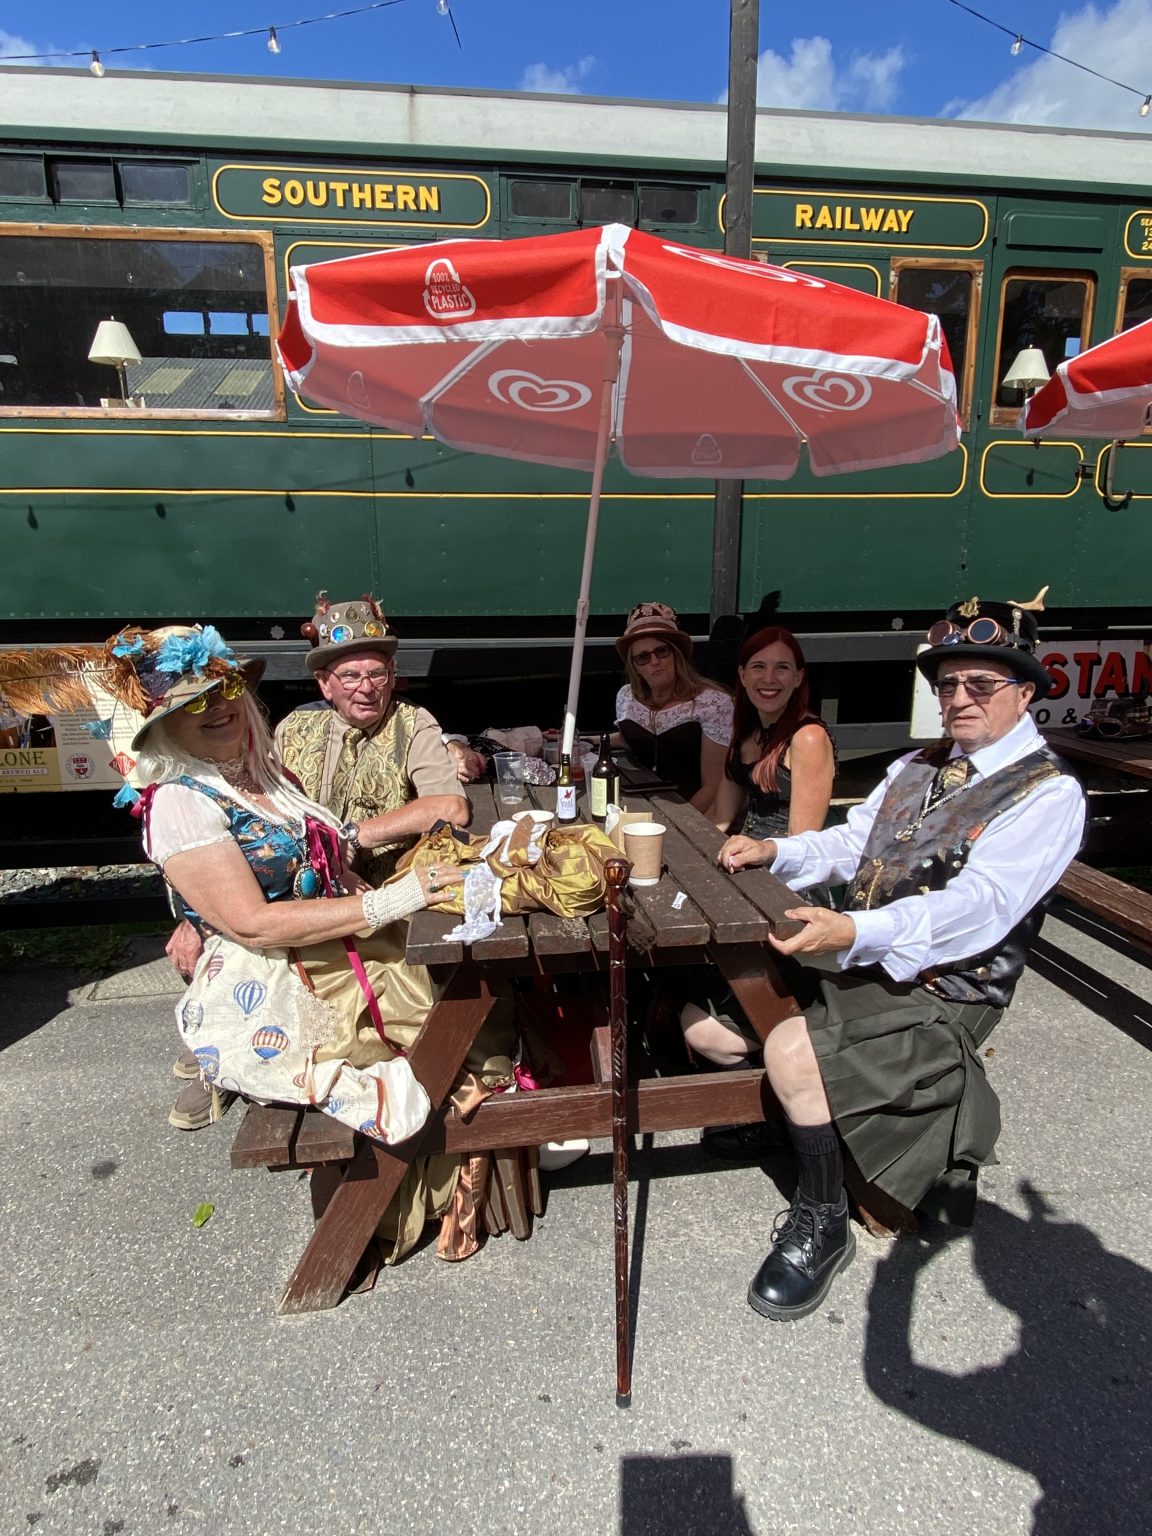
(345, 771)
(953, 775)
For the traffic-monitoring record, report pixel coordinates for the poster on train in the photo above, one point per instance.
(54, 753)
(1082, 672)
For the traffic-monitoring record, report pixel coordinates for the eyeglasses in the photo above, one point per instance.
(979, 632)
(354, 680)
(976, 687)
(657, 653)
(228, 687)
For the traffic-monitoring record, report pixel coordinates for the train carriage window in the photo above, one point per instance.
(669, 205)
(540, 199)
(197, 310)
(950, 290)
(1135, 298)
(1051, 311)
(22, 176)
(155, 181)
(84, 181)
(607, 202)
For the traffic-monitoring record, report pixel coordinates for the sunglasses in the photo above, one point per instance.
(657, 653)
(979, 632)
(230, 688)
(976, 687)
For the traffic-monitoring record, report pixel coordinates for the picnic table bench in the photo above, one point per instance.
(696, 914)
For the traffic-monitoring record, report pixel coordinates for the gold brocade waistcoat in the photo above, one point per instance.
(379, 783)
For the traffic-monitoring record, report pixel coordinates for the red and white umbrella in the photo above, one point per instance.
(553, 348)
(1104, 392)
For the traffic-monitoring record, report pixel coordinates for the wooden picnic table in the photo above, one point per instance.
(1125, 754)
(697, 914)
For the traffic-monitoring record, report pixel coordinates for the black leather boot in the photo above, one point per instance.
(811, 1244)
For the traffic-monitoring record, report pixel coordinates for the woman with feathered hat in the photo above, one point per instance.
(285, 1004)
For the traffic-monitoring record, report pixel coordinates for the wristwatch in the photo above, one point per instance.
(350, 832)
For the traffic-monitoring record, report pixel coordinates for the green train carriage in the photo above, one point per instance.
(192, 486)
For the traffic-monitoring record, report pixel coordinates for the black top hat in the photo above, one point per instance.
(1003, 632)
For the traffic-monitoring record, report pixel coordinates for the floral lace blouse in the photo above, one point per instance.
(712, 708)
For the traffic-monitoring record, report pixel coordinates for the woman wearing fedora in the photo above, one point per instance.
(672, 720)
(301, 994)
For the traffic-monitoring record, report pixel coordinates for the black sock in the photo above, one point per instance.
(821, 1161)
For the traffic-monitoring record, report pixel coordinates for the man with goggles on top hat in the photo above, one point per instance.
(948, 862)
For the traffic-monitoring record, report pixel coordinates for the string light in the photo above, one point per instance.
(97, 67)
(1019, 40)
(442, 7)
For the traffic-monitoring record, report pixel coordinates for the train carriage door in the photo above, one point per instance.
(950, 289)
(1050, 295)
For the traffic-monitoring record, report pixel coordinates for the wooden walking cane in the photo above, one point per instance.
(617, 872)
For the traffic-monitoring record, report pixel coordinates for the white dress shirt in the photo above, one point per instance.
(1011, 866)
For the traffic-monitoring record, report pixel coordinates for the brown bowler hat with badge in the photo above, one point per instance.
(1003, 632)
(336, 629)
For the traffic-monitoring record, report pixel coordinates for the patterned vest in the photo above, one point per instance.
(901, 859)
(380, 782)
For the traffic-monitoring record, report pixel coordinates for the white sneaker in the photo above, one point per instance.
(558, 1154)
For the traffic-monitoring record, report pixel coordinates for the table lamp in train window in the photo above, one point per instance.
(113, 345)
(1028, 372)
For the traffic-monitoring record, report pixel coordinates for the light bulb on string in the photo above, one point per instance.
(1017, 45)
(96, 67)
(273, 41)
(442, 7)
(1146, 106)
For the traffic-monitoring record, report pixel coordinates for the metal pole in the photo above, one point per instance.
(743, 52)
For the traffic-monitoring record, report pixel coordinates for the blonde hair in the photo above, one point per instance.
(688, 684)
(160, 760)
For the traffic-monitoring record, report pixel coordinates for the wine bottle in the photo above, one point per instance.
(565, 792)
(604, 788)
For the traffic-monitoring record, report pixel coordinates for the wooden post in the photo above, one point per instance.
(617, 872)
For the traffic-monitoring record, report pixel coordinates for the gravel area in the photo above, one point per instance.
(79, 880)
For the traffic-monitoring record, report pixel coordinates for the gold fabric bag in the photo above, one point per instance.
(567, 877)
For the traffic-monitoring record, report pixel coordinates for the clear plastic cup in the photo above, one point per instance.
(509, 778)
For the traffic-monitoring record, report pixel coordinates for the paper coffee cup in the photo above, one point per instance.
(541, 818)
(644, 850)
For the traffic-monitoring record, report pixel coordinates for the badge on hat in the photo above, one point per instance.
(357, 625)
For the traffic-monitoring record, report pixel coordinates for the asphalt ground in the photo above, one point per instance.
(988, 1382)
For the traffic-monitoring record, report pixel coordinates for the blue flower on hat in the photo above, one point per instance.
(101, 729)
(179, 654)
(126, 796)
(124, 647)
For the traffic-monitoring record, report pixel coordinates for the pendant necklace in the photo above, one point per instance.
(906, 834)
(237, 775)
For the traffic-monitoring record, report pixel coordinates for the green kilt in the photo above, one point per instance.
(905, 1083)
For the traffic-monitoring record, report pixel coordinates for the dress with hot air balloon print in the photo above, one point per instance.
(291, 1025)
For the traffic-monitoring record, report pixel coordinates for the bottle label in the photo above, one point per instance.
(566, 802)
(598, 798)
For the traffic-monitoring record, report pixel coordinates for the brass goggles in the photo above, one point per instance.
(979, 632)
(230, 688)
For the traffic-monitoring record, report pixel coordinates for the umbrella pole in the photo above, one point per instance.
(617, 873)
(615, 337)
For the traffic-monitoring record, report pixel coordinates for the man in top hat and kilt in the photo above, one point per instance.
(948, 863)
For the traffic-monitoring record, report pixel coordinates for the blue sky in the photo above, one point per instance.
(918, 57)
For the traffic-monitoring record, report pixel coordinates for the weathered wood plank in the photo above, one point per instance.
(759, 886)
(551, 935)
(675, 927)
(1125, 906)
(426, 944)
(265, 1137)
(732, 919)
(321, 1139)
(509, 942)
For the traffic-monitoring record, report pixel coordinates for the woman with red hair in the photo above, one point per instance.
(777, 782)
(779, 770)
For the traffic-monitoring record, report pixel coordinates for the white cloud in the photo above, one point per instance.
(812, 78)
(11, 44)
(1114, 39)
(556, 82)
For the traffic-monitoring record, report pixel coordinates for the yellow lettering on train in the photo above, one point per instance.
(317, 193)
(405, 198)
(803, 215)
(905, 217)
(871, 219)
(429, 198)
(338, 189)
(271, 191)
(824, 218)
(384, 203)
(362, 194)
(293, 193)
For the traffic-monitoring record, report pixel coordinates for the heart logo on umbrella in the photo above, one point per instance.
(446, 297)
(515, 386)
(829, 392)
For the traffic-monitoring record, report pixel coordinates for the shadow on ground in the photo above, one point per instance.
(1072, 1405)
(680, 1496)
